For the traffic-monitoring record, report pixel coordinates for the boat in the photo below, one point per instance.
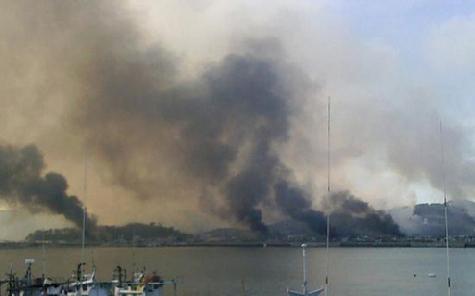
(324, 289)
(30, 286)
(141, 283)
(82, 283)
(305, 291)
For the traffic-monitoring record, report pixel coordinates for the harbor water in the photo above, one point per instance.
(218, 271)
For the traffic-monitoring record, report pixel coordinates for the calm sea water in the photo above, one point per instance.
(269, 271)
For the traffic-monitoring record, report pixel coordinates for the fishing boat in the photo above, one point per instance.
(82, 283)
(29, 285)
(141, 283)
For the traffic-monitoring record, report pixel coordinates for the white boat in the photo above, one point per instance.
(86, 284)
(82, 284)
(141, 284)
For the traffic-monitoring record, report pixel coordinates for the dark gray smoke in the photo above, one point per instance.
(296, 203)
(215, 136)
(22, 181)
(225, 126)
(221, 129)
(351, 215)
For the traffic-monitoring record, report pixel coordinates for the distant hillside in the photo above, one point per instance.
(428, 219)
(290, 227)
(129, 233)
(228, 235)
(287, 230)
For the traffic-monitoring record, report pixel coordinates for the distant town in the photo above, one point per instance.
(151, 235)
(419, 226)
(228, 238)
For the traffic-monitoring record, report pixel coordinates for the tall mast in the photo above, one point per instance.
(43, 255)
(84, 210)
(445, 209)
(327, 245)
(304, 270)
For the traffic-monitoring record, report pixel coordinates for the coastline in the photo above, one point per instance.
(405, 244)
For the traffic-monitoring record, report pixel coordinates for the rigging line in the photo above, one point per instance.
(447, 248)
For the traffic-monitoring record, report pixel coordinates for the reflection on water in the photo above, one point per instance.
(268, 271)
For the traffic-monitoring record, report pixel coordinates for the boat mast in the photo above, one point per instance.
(447, 248)
(43, 255)
(304, 270)
(84, 210)
(327, 245)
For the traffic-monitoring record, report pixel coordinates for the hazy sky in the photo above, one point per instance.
(392, 68)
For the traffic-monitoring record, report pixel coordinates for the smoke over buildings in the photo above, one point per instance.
(351, 215)
(230, 138)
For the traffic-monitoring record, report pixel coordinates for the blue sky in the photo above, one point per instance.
(432, 42)
(408, 26)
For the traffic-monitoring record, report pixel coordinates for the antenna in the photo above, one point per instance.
(327, 245)
(447, 248)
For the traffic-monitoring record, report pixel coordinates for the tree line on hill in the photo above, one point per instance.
(129, 233)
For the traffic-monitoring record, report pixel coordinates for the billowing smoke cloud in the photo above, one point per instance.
(296, 203)
(226, 125)
(22, 182)
(349, 215)
(214, 134)
(217, 132)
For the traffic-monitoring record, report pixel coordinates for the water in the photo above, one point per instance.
(269, 271)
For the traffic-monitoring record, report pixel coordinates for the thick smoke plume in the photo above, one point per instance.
(297, 205)
(226, 125)
(349, 215)
(214, 135)
(22, 182)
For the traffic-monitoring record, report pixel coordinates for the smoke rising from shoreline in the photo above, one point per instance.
(216, 135)
(22, 182)
(349, 215)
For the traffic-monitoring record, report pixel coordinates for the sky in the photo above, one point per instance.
(75, 76)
